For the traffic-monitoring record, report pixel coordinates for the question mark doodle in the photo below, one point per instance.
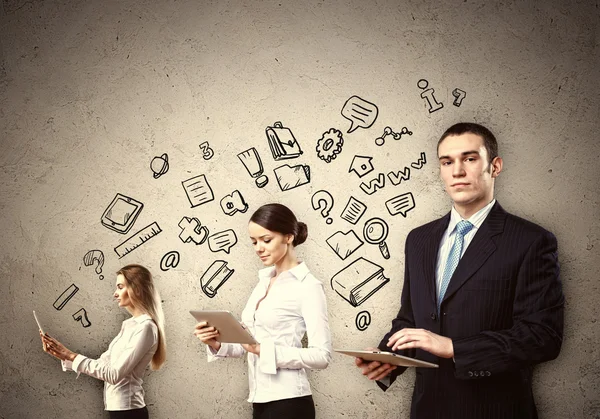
(82, 317)
(207, 152)
(323, 199)
(459, 95)
(92, 256)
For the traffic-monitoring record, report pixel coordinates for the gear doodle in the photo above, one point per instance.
(330, 145)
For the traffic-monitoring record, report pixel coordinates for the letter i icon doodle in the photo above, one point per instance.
(427, 94)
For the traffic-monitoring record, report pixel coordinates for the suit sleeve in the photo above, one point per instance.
(537, 330)
(404, 319)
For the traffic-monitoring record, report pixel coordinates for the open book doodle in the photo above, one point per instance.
(358, 281)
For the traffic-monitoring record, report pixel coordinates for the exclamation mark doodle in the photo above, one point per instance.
(65, 297)
(459, 95)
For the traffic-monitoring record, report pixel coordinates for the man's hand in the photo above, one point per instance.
(423, 339)
(374, 370)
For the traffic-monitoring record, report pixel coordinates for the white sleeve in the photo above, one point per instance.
(227, 350)
(313, 309)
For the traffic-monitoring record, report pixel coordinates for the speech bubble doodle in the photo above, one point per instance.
(95, 256)
(359, 112)
(223, 240)
(169, 260)
(401, 204)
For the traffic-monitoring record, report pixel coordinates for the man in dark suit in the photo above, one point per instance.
(481, 298)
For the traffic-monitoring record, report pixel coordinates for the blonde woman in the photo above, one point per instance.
(140, 342)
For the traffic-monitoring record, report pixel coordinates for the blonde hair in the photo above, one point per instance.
(144, 295)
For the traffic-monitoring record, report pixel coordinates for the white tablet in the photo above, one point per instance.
(387, 357)
(38, 323)
(230, 330)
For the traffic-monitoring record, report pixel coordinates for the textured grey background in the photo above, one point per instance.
(91, 91)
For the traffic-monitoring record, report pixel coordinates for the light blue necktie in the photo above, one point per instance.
(462, 228)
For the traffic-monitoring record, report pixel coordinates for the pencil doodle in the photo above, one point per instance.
(282, 142)
(396, 135)
(330, 145)
(82, 317)
(198, 190)
(325, 200)
(232, 203)
(353, 210)
(121, 213)
(359, 112)
(253, 164)
(363, 320)
(169, 260)
(344, 244)
(192, 230)
(361, 165)
(373, 185)
(399, 176)
(401, 204)
(207, 152)
(428, 95)
(358, 281)
(95, 256)
(66, 295)
(291, 177)
(419, 163)
(376, 231)
(223, 240)
(159, 165)
(137, 239)
(459, 95)
(215, 276)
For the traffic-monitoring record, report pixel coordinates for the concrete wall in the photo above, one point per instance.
(92, 91)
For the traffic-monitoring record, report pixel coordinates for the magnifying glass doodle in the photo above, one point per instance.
(375, 232)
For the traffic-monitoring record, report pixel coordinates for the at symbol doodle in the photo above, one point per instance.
(169, 260)
(363, 320)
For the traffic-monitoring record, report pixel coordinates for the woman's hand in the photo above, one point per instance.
(208, 335)
(56, 349)
(252, 347)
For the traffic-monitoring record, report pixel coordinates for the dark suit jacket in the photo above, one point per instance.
(503, 310)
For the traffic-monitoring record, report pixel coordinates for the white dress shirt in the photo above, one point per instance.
(448, 238)
(295, 305)
(123, 365)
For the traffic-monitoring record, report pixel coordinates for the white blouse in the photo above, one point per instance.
(294, 306)
(123, 365)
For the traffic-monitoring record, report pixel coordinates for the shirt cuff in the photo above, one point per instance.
(267, 360)
(66, 365)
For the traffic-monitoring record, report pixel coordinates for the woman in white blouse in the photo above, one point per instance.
(287, 302)
(140, 342)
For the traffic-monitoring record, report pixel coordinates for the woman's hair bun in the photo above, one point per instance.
(301, 233)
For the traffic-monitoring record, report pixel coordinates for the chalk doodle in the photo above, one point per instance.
(459, 95)
(159, 165)
(215, 276)
(121, 213)
(290, 177)
(399, 176)
(358, 281)
(82, 317)
(330, 145)
(401, 204)
(253, 164)
(344, 244)
(222, 241)
(137, 239)
(376, 231)
(169, 261)
(419, 163)
(66, 295)
(396, 135)
(92, 257)
(198, 190)
(361, 165)
(359, 112)
(192, 230)
(428, 94)
(373, 185)
(363, 320)
(353, 210)
(282, 142)
(232, 203)
(322, 200)
(207, 152)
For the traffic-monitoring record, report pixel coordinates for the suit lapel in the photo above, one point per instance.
(430, 255)
(479, 250)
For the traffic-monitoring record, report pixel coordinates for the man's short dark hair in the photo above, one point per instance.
(489, 141)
